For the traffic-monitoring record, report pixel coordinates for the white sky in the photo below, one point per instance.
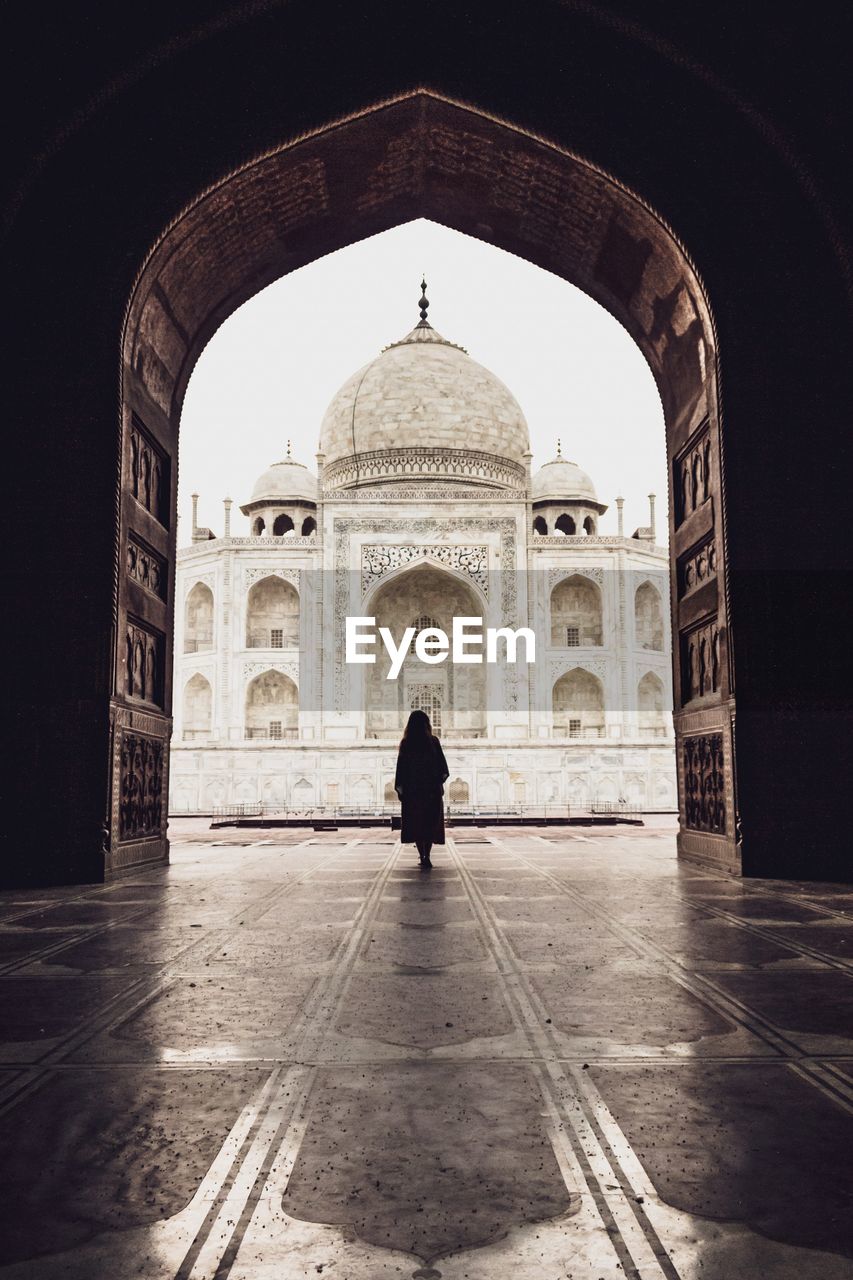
(270, 371)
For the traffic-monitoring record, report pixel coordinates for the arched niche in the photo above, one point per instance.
(648, 617)
(577, 701)
(198, 619)
(271, 707)
(576, 613)
(309, 526)
(197, 707)
(258, 526)
(453, 696)
(651, 705)
(282, 525)
(540, 526)
(485, 177)
(565, 525)
(272, 614)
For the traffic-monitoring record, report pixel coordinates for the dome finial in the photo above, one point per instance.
(559, 447)
(424, 306)
(288, 448)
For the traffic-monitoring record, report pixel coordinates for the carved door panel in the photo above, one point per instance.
(140, 711)
(704, 694)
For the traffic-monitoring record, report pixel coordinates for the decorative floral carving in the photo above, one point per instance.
(292, 576)
(146, 567)
(575, 571)
(704, 783)
(141, 770)
(444, 464)
(377, 561)
(252, 669)
(419, 492)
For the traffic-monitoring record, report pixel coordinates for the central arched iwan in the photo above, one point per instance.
(422, 156)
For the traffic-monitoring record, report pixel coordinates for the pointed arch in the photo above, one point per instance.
(576, 613)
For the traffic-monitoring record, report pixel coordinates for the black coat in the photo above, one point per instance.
(421, 774)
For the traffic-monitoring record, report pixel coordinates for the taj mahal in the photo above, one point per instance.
(423, 508)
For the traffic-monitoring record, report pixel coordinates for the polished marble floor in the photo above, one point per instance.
(559, 1055)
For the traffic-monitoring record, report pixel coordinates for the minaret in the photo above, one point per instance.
(652, 516)
(620, 517)
(194, 497)
(226, 502)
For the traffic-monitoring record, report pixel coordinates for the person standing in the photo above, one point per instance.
(419, 782)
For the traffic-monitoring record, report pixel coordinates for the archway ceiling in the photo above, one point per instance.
(420, 156)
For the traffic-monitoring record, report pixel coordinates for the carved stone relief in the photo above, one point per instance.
(144, 662)
(697, 567)
(692, 476)
(252, 669)
(704, 783)
(146, 567)
(149, 473)
(292, 576)
(421, 463)
(700, 660)
(557, 575)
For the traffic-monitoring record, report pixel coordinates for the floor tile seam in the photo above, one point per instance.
(96, 931)
(758, 891)
(328, 996)
(100, 930)
(233, 1167)
(272, 1180)
(837, 1090)
(762, 931)
(696, 983)
(727, 1005)
(517, 997)
(213, 1239)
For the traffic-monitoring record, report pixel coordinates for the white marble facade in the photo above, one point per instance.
(423, 507)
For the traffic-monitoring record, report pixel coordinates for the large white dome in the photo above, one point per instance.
(424, 410)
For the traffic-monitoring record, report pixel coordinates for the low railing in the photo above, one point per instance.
(265, 640)
(501, 813)
(585, 731)
(271, 735)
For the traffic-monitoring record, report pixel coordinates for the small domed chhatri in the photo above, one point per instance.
(423, 513)
(423, 408)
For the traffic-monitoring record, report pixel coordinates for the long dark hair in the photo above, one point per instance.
(418, 731)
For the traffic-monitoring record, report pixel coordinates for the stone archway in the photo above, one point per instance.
(423, 155)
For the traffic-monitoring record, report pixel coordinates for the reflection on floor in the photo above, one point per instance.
(559, 1055)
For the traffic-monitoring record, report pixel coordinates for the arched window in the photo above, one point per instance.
(589, 526)
(576, 613)
(197, 708)
(428, 698)
(282, 525)
(577, 702)
(258, 526)
(389, 795)
(272, 615)
(272, 707)
(648, 617)
(650, 705)
(198, 619)
(540, 525)
(459, 792)
(423, 622)
(309, 526)
(565, 525)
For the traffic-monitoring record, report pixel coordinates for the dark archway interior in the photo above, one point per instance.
(109, 178)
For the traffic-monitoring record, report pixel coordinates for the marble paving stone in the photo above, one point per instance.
(460, 1158)
(610, 1004)
(423, 947)
(753, 1144)
(124, 947)
(816, 1003)
(69, 914)
(16, 944)
(218, 1016)
(291, 914)
(718, 942)
(33, 1010)
(424, 1011)
(584, 945)
(832, 939)
(80, 1160)
(260, 950)
(760, 908)
(425, 911)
